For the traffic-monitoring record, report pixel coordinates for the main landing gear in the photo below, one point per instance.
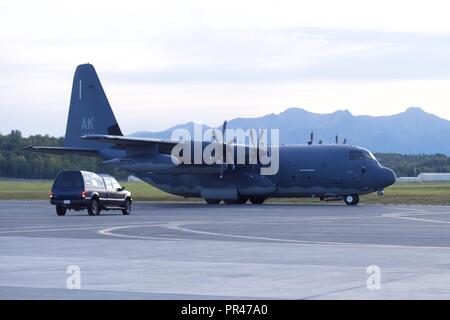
(241, 200)
(351, 199)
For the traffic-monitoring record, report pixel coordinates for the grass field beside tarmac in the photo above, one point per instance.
(431, 193)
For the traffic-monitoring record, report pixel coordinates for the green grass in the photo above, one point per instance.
(40, 189)
(432, 193)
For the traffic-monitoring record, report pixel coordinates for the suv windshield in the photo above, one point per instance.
(69, 180)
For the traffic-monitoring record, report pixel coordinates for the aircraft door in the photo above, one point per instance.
(364, 178)
(307, 178)
(293, 176)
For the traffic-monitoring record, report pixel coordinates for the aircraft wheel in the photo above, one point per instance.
(212, 201)
(60, 210)
(242, 200)
(257, 200)
(351, 199)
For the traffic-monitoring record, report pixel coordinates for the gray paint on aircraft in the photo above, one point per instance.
(324, 171)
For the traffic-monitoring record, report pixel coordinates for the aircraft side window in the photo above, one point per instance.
(363, 170)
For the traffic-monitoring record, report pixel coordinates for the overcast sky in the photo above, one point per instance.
(167, 62)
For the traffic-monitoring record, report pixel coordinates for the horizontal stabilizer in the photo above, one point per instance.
(62, 150)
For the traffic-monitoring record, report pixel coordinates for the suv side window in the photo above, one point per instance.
(108, 184)
(115, 184)
(87, 181)
(97, 182)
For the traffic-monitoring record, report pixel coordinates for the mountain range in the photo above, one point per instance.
(413, 131)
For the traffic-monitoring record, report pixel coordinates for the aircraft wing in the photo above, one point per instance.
(62, 150)
(121, 142)
(127, 141)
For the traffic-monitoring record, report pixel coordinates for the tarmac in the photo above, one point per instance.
(199, 251)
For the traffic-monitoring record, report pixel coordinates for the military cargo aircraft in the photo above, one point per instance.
(326, 171)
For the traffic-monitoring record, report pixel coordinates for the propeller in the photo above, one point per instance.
(227, 148)
(223, 165)
(343, 142)
(311, 139)
(258, 139)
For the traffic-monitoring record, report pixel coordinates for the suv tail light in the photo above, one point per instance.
(83, 194)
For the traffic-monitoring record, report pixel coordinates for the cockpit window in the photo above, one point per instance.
(356, 155)
(361, 155)
(371, 155)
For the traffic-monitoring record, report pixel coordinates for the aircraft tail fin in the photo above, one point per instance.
(90, 111)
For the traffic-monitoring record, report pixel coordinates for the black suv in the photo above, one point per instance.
(79, 190)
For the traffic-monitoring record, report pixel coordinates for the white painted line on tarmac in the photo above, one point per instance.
(176, 226)
(407, 215)
(110, 232)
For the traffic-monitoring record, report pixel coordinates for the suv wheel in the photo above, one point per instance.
(127, 207)
(94, 208)
(60, 210)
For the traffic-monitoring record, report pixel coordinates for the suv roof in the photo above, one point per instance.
(81, 171)
(104, 175)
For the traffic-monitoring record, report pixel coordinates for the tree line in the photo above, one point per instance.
(17, 163)
(411, 165)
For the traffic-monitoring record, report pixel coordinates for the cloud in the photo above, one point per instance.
(297, 54)
(214, 60)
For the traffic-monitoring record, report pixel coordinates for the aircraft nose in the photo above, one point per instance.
(387, 177)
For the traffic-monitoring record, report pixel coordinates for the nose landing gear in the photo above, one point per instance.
(351, 199)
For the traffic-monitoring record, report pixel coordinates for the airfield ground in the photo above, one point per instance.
(171, 247)
(193, 250)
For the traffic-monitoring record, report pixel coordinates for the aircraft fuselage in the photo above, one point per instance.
(324, 171)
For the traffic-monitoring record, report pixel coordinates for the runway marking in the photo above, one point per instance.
(57, 228)
(176, 226)
(417, 212)
(51, 227)
(48, 230)
(109, 232)
(180, 226)
(113, 230)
